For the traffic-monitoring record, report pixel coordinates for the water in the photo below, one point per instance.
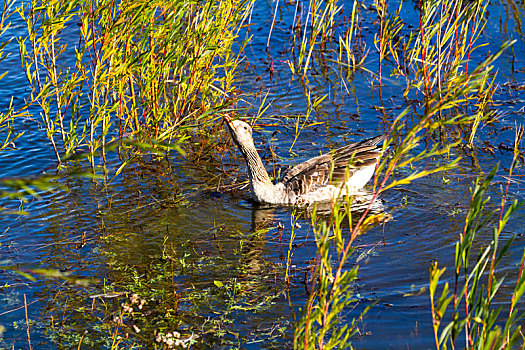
(163, 229)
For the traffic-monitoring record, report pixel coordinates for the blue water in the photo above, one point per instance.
(90, 229)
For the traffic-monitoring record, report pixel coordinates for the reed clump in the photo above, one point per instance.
(331, 280)
(142, 70)
(434, 63)
(322, 324)
(478, 320)
(318, 37)
(435, 59)
(12, 113)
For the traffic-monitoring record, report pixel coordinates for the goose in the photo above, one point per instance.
(310, 181)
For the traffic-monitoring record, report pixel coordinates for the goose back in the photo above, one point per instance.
(330, 168)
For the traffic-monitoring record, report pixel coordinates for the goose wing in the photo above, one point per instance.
(315, 172)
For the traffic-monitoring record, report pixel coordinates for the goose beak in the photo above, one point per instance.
(228, 121)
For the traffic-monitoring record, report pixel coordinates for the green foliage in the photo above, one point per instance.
(322, 325)
(144, 69)
(447, 94)
(471, 298)
(434, 59)
(321, 16)
(317, 32)
(142, 74)
(6, 118)
(347, 56)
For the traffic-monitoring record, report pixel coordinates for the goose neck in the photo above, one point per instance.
(256, 169)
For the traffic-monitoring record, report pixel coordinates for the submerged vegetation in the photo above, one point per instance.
(115, 87)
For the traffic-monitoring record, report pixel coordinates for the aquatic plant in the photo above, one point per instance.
(322, 325)
(142, 70)
(330, 282)
(434, 58)
(142, 75)
(317, 32)
(478, 321)
(348, 56)
(6, 118)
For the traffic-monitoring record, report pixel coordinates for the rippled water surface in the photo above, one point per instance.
(163, 216)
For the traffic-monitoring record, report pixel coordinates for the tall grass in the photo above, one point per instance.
(318, 30)
(347, 53)
(434, 58)
(331, 280)
(140, 69)
(444, 103)
(7, 118)
(322, 325)
(15, 188)
(478, 322)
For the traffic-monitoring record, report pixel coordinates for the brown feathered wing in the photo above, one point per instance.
(306, 176)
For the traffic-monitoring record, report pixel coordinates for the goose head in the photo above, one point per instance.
(241, 133)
